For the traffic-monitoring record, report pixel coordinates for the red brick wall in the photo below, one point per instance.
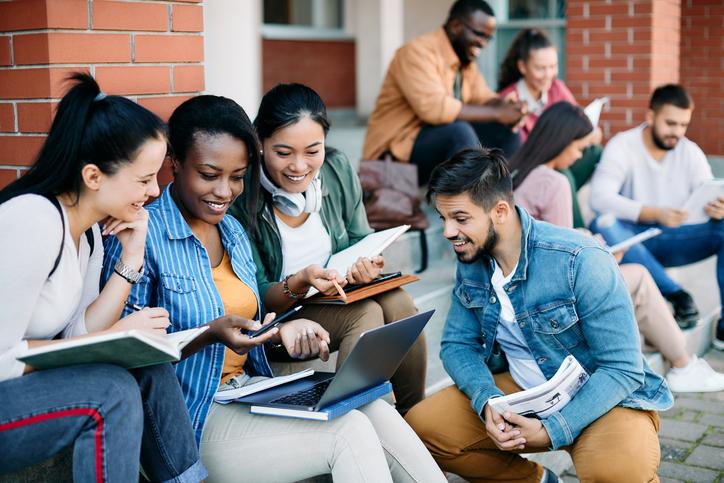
(326, 66)
(151, 51)
(702, 70)
(621, 49)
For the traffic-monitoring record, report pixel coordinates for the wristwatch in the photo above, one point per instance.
(129, 274)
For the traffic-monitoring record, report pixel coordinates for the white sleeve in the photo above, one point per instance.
(700, 168)
(29, 244)
(608, 179)
(91, 286)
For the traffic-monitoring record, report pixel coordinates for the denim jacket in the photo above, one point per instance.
(569, 298)
(177, 276)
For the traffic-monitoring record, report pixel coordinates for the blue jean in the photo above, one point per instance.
(674, 247)
(112, 417)
(435, 144)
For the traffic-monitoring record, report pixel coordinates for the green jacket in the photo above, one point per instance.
(343, 215)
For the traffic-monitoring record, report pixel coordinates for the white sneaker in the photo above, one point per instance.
(698, 376)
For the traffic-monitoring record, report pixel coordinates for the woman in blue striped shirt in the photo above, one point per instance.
(199, 266)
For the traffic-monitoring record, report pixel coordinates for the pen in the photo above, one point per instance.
(133, 306)
(339, 289)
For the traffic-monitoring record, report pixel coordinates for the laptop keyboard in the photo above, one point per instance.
(308, 397)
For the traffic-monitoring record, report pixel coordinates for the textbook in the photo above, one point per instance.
(629, 242)
(328, 412)
(706, 192)
(593, 110)
(230, 395)
(361, 292)
(550, 397)
(370, 246)
(128, 349)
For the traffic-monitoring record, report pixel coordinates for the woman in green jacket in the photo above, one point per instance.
(311, 208)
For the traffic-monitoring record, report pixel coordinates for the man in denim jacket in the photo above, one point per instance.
(542, 292)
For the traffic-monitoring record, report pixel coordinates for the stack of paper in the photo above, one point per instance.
(548, 398)
(230, 395)
(593, 110)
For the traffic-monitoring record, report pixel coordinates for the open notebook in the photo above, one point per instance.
(129, 349)
(370, 246)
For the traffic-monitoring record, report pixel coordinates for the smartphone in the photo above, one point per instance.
(381, 278)
(275, 323)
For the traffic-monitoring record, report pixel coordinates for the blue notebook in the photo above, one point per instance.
(329, 412)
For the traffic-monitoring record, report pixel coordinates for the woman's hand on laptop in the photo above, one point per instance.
(304, 339)
(227, 330)
(365, 269)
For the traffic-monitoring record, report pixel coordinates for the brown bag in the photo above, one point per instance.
(391, 194)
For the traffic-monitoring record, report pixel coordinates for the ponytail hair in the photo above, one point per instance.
(89, 128)
(523, 43)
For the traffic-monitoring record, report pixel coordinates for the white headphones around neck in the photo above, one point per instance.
(294, 204)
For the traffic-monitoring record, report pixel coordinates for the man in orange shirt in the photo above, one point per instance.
(434, 101)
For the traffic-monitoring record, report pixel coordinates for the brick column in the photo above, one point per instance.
(702, 70)
(622, 49)
(150, 51)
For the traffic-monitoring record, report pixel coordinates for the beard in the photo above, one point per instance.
(491, 240)
(462, 52)
(659, 141)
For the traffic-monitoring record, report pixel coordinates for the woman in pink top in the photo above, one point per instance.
(530, 69)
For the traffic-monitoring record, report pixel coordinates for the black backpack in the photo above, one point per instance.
(88, 233)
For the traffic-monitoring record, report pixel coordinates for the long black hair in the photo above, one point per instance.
(523, 43)
(213, 115)
(89, 128)
(286, 104)
(558, 126)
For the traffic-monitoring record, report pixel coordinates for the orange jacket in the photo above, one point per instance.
(418, 90)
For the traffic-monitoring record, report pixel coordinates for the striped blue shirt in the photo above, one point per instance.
(177, 276)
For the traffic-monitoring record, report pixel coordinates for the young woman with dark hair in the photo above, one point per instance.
(98, 164)
(311, 207)
(557, 141)
(199, 266)
(530, 70)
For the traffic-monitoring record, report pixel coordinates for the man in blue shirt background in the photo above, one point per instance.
(541, 293)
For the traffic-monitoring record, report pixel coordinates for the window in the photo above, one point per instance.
(303, 19)
(536, 9)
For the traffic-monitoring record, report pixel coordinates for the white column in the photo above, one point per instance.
(379, 25)
(232, 51)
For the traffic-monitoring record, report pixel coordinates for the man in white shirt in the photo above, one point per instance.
(645, 177)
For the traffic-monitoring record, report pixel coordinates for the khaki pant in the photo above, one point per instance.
(371, 444)
(621, 446)
(345, 323)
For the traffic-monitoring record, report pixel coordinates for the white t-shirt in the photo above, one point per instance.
(307, 244)
(33, 305)
(523, 368)
(628, 178)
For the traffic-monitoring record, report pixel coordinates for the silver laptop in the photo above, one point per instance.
(373, 360)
